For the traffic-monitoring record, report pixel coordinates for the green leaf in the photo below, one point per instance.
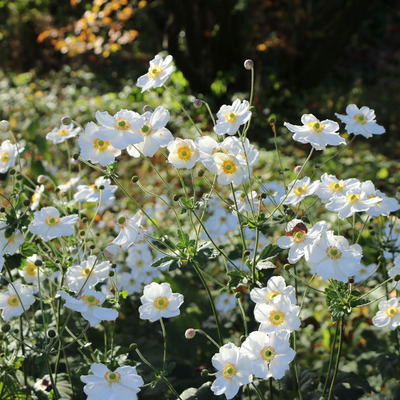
(29, 249)
(163, 261)
(235, 278)
(202, 393)
(269, 251)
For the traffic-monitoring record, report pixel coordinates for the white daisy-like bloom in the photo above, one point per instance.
(230, 169)
(104, 384)
(10, 245)
(159, 71)
(131, 231)
(153, 132)
(87, 274)
(318, 133)
(269, 354)
(30, 271)
(245, 201)
(364, 272)
(361, 121)
(16, 299)
(158, 301)
(93, 193)
(36, 197)
(395, 270)
(69, 185)
(129, 283)
(226, 302)
(330, 187)
(301, 189)
(62, 133)
(88, 305)
(230, 118)
(48, 224)
(384, 206)
(331, 256)
(354, 201)
(121, 130)
(183, 153)
(95, 146)
(219, 224)
(274, 192)
(279, 313)
(388, 314)
(139, 262)
(8, 156)
(244, 151)
(233, 371)
(275, 286)
(298, 238)
(207, 147)
(391, 233)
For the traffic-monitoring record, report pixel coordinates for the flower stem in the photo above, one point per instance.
(337, 359)
(330, 360)
(165, 343)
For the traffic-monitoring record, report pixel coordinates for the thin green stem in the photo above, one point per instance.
(165, 344)
(335, 372)
(331, 359)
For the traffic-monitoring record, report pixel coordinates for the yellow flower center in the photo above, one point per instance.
(336, 187)
(51, 221)
(268, 354)
(363, 271)
(36, 196)
(85, 271)
(333, 252)
(229, 167)
(185, 153)
(112, 377)
(154, 71)
(94, 187)
(299, 237)
(161, 303)
(147, 128)
(101, 145)
(219, 150)
(14, 301)
(277, 317)
(140, 263)
(272, 294)
(31, 269)
(352, 198)
(121, 124)
(230, 117)
(300, 190)
(392, 311)
(62, 132)
(360, 118)
(229, 370)
(91, 300)
(5, 157)
(316, 126)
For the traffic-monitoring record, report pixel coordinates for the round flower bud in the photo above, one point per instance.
(101, 187)
(133, 346)
(75, 156)
(5, 328)
(242, 338)
(111, 273)
(66, 120)
(351, 280)
(190, 333)
(42, 179)
(38, 263)
(121, 220)
(19, 177)
(2, 209)
(247, 253)
(12, 171)
(176, 197)
(272, 119)
(51, 333)
(297, 169)
(197, 103)
(147, 108)
(249, 64)
(135, 179)
(5, 126)
(238, 295)
(26, 203)
(286, 267)
(396, 278)
(204, 373)
(200, 173)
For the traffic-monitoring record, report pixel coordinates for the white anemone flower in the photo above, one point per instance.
(154, 133)
(330, 187)
(93, 193)
(364, 272)
(233, 371)
(10, 245)
(230, 118)
(105, 384)
(70, 184)
(62, 133)
(220, 223)
(122, 128)
(159, 72)
(391, 233)
(95, 146)
(129, 283)
(361, 121)
(30, 271)
(275, 286)
(183, 153)
(302, 188)
(269, 354)
(245, 151)
(298, 238)
(245, 201)
(384, 206)
(88, 305)
(35, 200)
(278, 314)
(331, 256)
(8, 155)
(226, 302)
(318, 133)
(16, 299)
(87, 274)
(230, 169)
(158, 301)
(388, 314)
(207, 146)
(395, 270)
(131, 231)
(274, 192)
(48, 224)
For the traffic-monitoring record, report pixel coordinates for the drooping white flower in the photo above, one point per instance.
(361, 121)
(244, 151)
(36, 197)
(318, 133)
(93, 193)
(226, 302)
(183, 153)
(207, 147)
(87, 274)
(278, 314)
(131, 231)
(30, 271)
(95, 146)
(388, 314)
(384, 206)
(16, 299)
(48, 224)
(363, 272)
(233, 371)
(269, 354)
(230, 118)
(275, 286)
(8, 156)
(62, 133)
(154, 133)
(159, 72)
(122, 129)
(230, 169)
(10, 244)
(158, 301)
(331, 256)
(298, 238)
(105, 384)
(301, 189)
(88, 305)
(330, 187)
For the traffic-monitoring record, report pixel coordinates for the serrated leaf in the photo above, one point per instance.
(163, 262)
(269, 251)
